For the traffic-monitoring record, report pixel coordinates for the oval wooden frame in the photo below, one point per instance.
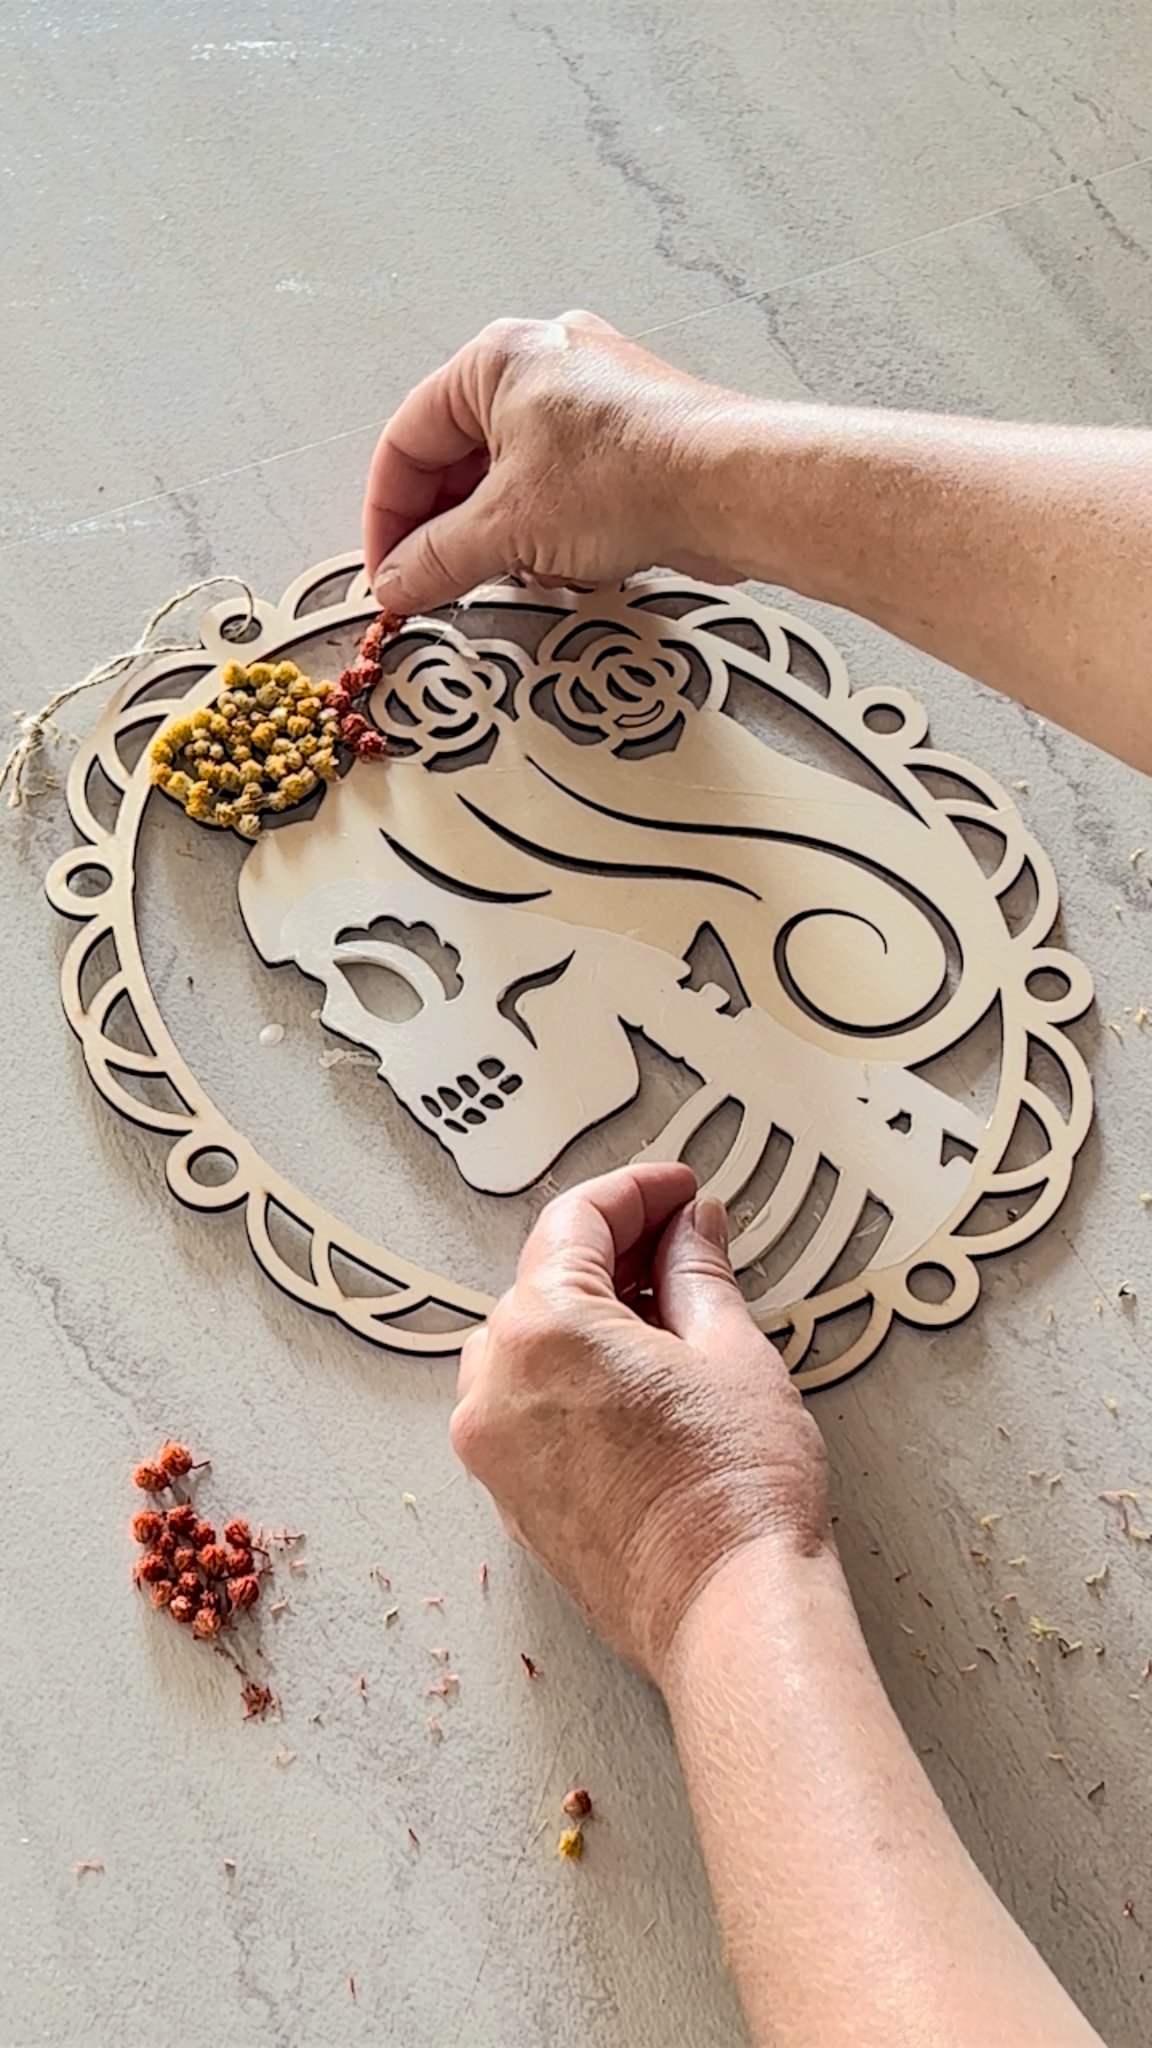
(407, 1290)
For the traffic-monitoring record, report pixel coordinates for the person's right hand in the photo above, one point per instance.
(636, 1454)
(554, 447)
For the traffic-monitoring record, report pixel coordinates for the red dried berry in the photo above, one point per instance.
(214, 1561)
(578, 1803)
(338, 701)
(206, 1624)
(184, 1558)
(352, 727)
(161, 1593)
(147, 1525)
(371, 744)
(244, 1592)
(238, 1533)
(202, 1534)
(182, 1609)
(152, 1568)
(175, 1459)
(149, 1478)
(183, 1520)
(239, 1564)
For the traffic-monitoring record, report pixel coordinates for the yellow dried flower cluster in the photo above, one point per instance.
(264, 744)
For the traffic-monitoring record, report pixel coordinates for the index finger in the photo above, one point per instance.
(583, 1234)
(431, 430)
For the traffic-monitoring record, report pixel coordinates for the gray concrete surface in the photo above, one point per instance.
(232, 234)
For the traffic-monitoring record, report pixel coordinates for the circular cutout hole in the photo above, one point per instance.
(883, 718)
(1048, 984)
(213, 1168)
(931, 1283)
(241, 630)
(90, 880)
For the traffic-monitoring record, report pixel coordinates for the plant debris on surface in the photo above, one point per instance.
(203, 1581)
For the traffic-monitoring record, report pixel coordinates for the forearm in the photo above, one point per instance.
(1020, 554)
(851, 1911)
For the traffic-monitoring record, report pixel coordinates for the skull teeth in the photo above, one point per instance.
(461, 1105)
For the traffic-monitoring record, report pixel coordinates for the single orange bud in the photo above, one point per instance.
(215, 1562)
(578, 1804)
(147, 1525)
(152, 1568)
(238, 1533)
(184, 1558)
(175, 1460)
(161, 1593)
(149, 1478)
(206, 1624)
(239, 1564)
(203, 1533)
(183, 1520)
(189, 1582)
(244, 1592)
(181, 1609)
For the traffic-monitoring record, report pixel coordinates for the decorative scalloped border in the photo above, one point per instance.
(406, 1290)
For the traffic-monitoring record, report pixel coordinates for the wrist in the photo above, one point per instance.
(765, 491)
(792, 1583)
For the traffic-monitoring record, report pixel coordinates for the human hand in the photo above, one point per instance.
(556, 447)
(635, 1456)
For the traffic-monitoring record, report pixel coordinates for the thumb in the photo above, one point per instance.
(694, 1285)
(444, 558)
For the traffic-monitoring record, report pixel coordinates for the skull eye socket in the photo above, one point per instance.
(382, 991)
(420, 939)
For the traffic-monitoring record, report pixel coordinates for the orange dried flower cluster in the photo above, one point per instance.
(201, 1582)
(269, 738)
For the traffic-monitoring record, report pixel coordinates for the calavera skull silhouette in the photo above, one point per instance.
(507, 1106)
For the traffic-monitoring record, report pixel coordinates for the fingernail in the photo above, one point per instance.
(384, 584)
(711, 1220)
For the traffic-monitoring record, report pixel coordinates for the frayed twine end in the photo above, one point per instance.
(145, 649)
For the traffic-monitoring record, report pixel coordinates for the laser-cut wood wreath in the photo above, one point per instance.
(533, 843)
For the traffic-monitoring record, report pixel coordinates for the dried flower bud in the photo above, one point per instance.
(244, 1592)
(165, 1545)
(183, 1520)
(175, 1459)
(353, 727)
(181, 1609)
(189, 1582)
(578, 1804)
(571, 1845)
(161, 1593)
(214, 1561)
(147, 1525)
(184, 1558)
(238, 1533)
(152, 1568)
(149, 1478)
(206, 1624)
(204, 1533)
(239, 1564)
(371, 744)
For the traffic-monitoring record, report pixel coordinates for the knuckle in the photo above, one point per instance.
(467, 1433)
(508, 335)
